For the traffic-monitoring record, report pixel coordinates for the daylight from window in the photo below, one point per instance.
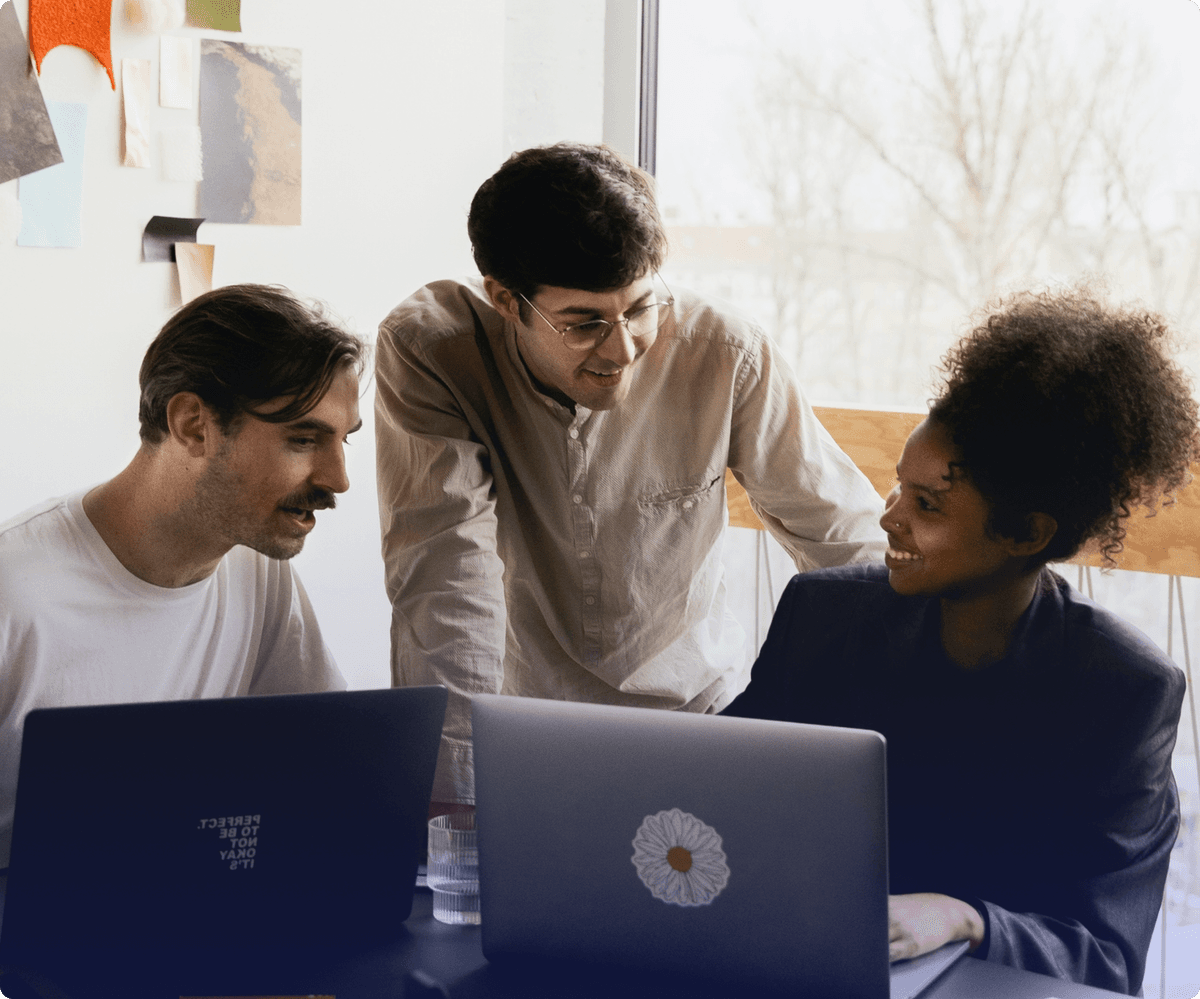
(861, 176)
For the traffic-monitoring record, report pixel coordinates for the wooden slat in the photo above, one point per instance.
(741, 514)
(1167, 543)
(872, 438)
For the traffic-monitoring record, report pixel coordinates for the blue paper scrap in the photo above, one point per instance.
(52, 199)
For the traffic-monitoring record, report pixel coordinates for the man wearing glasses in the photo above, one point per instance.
(552, 445)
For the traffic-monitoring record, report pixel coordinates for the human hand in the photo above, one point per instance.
(922, 922)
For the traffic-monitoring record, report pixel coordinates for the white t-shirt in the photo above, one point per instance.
(76, 627)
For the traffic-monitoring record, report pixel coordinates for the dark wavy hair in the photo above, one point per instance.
(238, 347)
(569, 215)
(1061, 404)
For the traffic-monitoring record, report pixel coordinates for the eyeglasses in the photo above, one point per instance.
(590, 334)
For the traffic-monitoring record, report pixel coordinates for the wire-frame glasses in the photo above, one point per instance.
(590, 334)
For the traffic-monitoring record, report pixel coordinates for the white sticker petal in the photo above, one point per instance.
(680, 858)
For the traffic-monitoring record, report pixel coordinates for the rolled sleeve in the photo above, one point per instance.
(808, 493)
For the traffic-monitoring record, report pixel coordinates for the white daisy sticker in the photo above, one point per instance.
(679, 858)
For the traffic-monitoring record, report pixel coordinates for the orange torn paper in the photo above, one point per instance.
(84, 23)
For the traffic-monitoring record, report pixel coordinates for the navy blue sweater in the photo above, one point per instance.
(1038, 788)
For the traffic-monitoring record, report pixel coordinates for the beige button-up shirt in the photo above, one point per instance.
(535, 550)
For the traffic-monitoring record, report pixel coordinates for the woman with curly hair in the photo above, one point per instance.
(1032, 808)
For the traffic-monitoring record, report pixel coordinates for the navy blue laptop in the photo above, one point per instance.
(185, 832)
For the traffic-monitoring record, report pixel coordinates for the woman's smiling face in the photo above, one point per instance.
(936, 523)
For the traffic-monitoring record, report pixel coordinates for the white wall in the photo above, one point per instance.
(553, 72)
(408, 106)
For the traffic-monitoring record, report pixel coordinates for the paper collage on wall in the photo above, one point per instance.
(84, 23)
(169, 238)
(163, 233)
(27, 141)
(244, 153)
(175, 72)
(51, 199)
(135, 96)
(223, 15)
(250, 122)
(194, 262)
(181, 153)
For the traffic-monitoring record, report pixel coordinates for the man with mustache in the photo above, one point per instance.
(552, 446)
(170, 580)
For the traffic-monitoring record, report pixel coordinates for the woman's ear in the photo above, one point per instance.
(1040, 528)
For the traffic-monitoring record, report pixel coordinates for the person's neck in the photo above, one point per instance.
(141, 516)
(977, 628)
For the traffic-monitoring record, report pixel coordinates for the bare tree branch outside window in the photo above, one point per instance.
(890, 175)
(908, 184)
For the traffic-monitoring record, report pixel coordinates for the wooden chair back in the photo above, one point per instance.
(1168, 542)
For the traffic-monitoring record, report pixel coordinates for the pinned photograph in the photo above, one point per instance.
(250, 123)
(27, 141)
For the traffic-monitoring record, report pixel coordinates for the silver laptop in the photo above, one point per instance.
(753, 852)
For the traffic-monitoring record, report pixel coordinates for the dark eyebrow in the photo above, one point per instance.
(579, 310)
(929, 489)
(319, 426)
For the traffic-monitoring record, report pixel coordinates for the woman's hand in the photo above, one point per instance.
(920, 923)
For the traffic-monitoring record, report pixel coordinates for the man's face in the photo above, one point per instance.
(264, 480)
(598, 378)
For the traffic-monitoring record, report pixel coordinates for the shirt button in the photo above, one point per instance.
(577, 498)
(687, 504)
(590, 601)
(584, 554)
(573, 434)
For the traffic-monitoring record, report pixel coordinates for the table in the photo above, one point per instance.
(450, 962)
(452, 956)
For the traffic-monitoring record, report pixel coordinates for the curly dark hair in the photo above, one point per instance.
(239, 346)
(1061, 404)
(570, 215)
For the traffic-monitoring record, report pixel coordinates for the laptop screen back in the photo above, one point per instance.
(252, 822)
(745, 850)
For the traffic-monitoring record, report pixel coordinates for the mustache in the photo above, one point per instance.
(311, 499)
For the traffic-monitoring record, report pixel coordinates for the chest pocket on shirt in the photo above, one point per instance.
(680, 525)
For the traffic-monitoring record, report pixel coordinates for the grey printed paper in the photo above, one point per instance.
(250, 126)
(27, 140)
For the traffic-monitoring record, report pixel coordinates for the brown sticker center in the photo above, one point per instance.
(680, 858)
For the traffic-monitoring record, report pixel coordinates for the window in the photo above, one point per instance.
(859, 176)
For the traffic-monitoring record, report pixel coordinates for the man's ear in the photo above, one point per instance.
(1040, 528)
(503, 300)
(191, 423)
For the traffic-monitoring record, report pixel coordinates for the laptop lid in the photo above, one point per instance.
(746, 850)
(293, 821)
